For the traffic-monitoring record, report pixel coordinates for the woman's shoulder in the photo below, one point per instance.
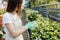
(6, 14)
(6, 18)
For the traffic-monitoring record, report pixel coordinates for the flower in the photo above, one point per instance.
(1, 34)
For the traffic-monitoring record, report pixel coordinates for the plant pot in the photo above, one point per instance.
(1, 38)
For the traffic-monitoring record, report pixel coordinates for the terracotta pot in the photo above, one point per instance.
(0, 20)
(1, 39)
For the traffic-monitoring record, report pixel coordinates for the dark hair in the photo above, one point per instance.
(12, 5)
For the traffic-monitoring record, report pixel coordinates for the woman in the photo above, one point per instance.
(12, 21)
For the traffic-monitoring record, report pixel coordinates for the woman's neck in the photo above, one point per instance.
(14, 12)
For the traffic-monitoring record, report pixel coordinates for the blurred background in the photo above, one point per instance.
(46, 13)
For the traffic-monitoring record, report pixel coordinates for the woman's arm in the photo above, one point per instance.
(12, 30)
(16, 33)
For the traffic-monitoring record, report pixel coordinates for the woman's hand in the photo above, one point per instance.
(30, 25)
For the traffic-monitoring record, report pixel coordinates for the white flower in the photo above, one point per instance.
(1, 32)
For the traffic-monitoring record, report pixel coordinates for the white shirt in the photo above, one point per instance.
(12, 18)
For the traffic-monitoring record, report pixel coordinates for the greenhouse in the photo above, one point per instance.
(46, 14)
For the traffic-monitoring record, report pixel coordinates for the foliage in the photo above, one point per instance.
(32, 16)
(58, 0)
(43, 2)
(47, 29)
(2, 11)
(1, 33)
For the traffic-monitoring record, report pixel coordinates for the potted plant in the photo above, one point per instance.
(47, 29)
(32, 15)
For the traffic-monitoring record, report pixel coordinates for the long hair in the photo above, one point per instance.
(12, 5)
